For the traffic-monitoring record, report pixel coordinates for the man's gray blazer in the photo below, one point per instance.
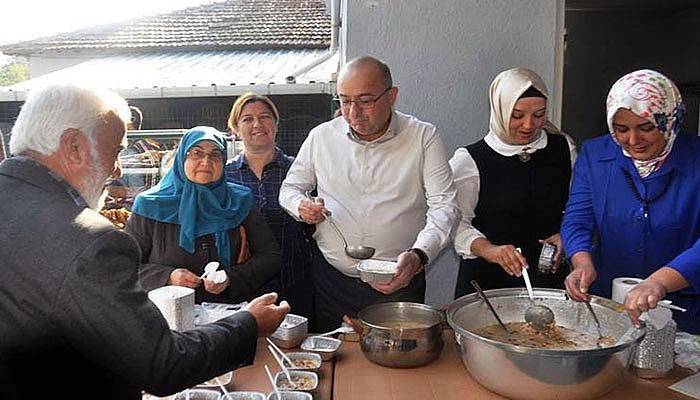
(73, 319)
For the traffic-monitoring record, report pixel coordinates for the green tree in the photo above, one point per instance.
(13, 73)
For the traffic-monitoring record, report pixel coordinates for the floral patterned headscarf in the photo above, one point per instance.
(653, 97)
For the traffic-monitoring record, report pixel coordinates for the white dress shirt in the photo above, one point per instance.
(392, 194)
(466, 177)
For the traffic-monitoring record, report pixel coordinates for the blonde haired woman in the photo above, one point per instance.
(262, 167)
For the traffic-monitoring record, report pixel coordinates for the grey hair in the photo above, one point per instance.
(365, 61)
(52, 110)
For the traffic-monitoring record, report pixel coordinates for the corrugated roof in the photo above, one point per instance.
(232, 24)
(193, 74)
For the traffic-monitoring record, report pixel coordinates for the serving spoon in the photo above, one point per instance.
(342, 329)
(356, 252)
(538, 316)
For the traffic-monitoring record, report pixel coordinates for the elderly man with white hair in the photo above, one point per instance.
(73, 318)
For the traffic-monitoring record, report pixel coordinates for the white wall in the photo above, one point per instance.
(443, 55)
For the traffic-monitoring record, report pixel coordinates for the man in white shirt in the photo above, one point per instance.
(384, 177)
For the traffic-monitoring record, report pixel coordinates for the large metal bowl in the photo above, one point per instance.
(385, 344)
(527, 373)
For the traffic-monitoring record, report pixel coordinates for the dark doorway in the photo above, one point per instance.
(605, 39)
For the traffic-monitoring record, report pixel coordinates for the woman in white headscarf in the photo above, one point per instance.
(512, 187)
(637, 189)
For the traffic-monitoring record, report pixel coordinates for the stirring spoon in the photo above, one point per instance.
(597, 323)
(488, 303)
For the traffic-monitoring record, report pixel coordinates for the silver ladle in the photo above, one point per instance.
(356, 252)
(488, 303)
(538, 316)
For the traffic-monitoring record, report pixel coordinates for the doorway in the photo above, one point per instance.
(605, 39)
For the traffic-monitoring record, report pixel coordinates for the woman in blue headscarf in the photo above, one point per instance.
(193, 217)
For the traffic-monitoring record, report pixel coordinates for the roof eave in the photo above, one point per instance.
(321, 44)
(203, 91)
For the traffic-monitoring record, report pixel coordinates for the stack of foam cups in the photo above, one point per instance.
(176, 303)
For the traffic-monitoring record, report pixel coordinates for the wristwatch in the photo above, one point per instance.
(421, 254)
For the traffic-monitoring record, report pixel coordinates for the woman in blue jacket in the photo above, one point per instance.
(634, 207)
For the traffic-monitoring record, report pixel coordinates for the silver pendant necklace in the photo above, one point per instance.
(524, 156)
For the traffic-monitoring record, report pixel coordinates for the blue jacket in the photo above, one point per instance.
(604, 217)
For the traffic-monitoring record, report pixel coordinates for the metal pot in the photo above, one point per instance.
(526, 373)
(401, 335)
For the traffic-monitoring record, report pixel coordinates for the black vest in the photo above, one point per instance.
(519, 204)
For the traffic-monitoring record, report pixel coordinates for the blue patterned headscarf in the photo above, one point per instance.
(214, 208)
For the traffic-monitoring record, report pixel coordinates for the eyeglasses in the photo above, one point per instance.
(197, 154)
(365, 103)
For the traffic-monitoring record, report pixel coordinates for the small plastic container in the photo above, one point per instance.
(290, 395)
(291, 331)
(244, 396)
(211, 312)
(376, 271)
(304, 361)
(226, 380)
(325, 347)
(310, 379)
(199, 394)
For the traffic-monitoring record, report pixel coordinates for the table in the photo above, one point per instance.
(356, 378)
(350, 376)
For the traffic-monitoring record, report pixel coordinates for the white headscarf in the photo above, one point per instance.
(653, 97)
(505, 90)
